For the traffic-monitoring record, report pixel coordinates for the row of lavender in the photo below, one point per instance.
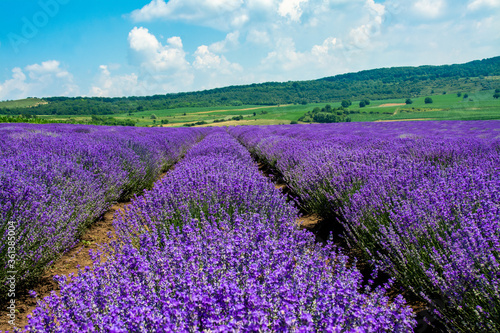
(422, 200)
(213, 247)
(57, 179)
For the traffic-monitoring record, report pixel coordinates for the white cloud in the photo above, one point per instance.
(291, 9)
(328, 46)
(154, 10)
(39, 80)
(206, 60)
(216, 13)
(114, 86)
(256, 36)
(231, 40)
(149, 53)
(430, 8)
(480, 4)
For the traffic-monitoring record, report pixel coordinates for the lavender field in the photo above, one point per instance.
(215, 246)
(421, 200)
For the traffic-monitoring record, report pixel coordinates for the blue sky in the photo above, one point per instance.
(144, 47)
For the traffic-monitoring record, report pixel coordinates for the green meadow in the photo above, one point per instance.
(477, 106)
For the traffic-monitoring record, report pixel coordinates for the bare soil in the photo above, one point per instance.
(394, 120)
(391, 104)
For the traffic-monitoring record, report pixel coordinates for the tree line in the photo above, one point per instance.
(397, 82)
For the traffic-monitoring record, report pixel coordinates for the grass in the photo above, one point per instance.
(479, 105)
(22, 103)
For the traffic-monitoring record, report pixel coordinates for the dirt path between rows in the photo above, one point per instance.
(95, 238)
(322, 228)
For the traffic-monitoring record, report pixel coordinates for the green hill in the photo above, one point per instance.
(376, 84)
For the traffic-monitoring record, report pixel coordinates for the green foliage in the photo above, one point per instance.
(459, 94)
(346, 103)
(408, 101)
(195, 124)
(293, 122)
(377, 84)
(110, 121)
(328, 114)
(362, 104)
(496, 95)
(428, 100)
(153, 116)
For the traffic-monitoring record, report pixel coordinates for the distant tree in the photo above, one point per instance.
(497, 91)
(316, 110)
(428, 100)
(255, 114)
(444, 92)
(140, 108)
(496, 95)
(466, 96)
(346, 103)
(153, 116)
(362, 104)
(328, 108)
(367, 101)
(459, 94)
(408, 101)
(293, 122)
(164, 121)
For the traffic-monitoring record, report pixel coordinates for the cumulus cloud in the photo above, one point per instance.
(155, 9)
(206, 60)
(147, 52)
(291, 9)
(160, 69)
(480, 4)
(114, 86)
(257, 36)
(231, 40)
(430, 8)
(39, 80)
(215, 13)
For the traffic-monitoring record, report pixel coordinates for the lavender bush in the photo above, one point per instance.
(214, 247)
(57, 179)
(421, 200)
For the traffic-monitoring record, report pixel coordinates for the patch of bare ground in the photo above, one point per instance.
(394, 120)
(391, 104)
